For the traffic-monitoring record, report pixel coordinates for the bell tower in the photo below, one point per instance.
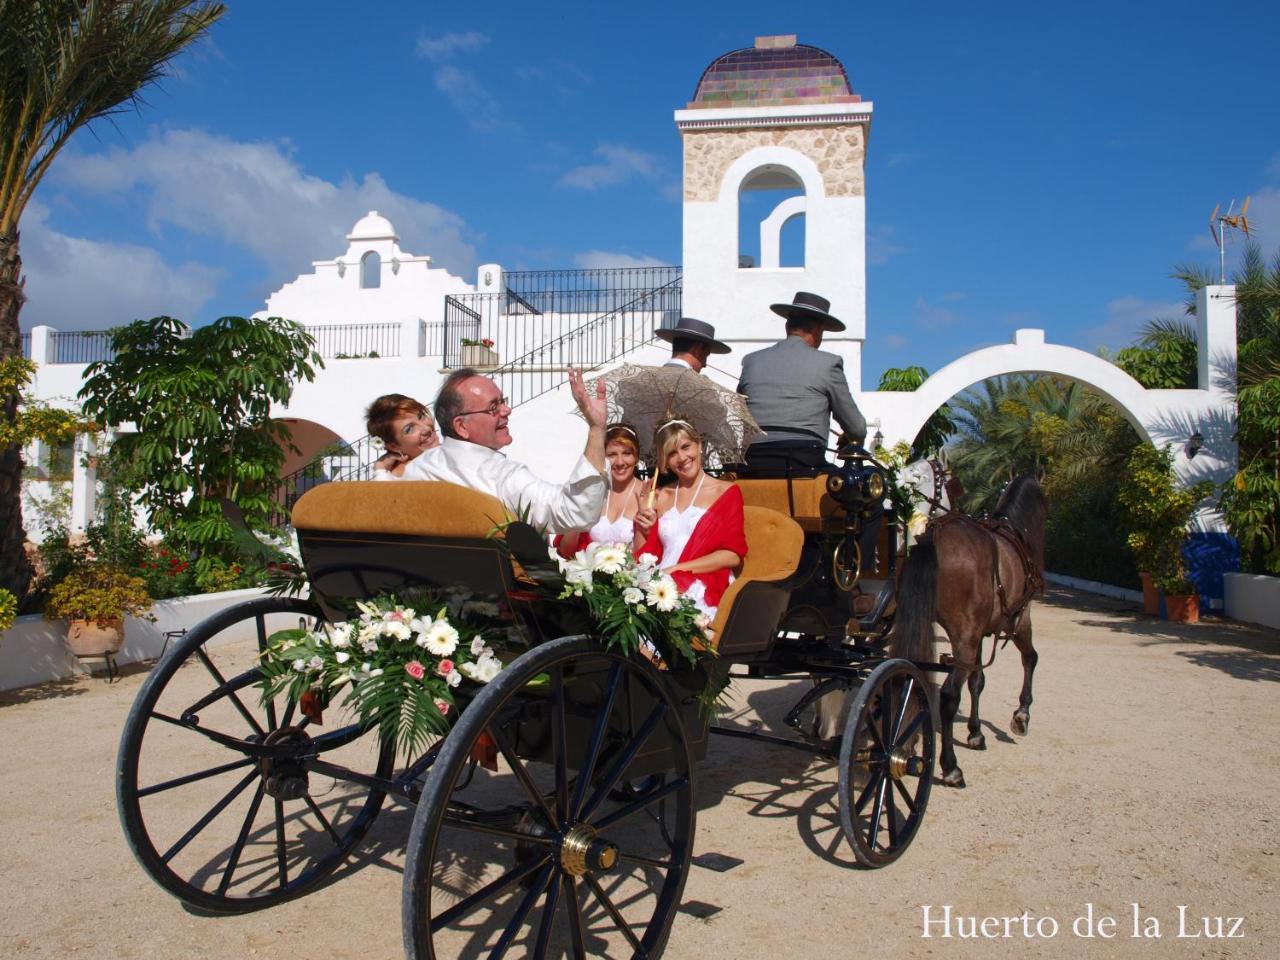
(776, 120)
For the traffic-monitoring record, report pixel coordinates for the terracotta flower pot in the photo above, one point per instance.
(89, 638)
(1150, 596)
(1183, 609)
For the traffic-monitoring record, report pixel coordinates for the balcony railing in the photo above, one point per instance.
(348, 341)
(24, 345)
(81, 346)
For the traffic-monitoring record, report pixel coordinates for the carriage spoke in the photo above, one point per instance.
(234, 860)
(217, 675)
(549, 906)
(886, 717)
(491, 889)
(262, 645)
(282, 864)
(647, 861)
(873, 826)
(625, 927)
(906, 797)
(902, 710)
(893, 818)
(560, 745)
(193, 777)
(522, 774)
(620, 765)
(213, 811)
(872, 785)
(462, 823)
(575, 917)
(522, 912)
(324, 821)
(635, 806)
(597, 739)
(912, 729)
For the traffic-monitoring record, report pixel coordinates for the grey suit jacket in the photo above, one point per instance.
(793, 391)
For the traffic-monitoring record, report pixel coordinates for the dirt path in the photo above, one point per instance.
(1149, 775)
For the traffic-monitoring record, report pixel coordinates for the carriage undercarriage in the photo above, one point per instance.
(558, 815)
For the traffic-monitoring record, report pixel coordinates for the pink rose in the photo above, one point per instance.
(445, 668)
(442, 706)
(414, 669)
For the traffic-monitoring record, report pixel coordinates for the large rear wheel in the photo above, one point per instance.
(559, 818)
(229, 803)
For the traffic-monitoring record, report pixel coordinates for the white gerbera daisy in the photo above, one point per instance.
(441, 639)
(663, 594)
(609, 559)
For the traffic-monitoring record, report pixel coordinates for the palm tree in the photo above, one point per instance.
(63, 65)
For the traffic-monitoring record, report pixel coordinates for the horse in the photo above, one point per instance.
(976, 579)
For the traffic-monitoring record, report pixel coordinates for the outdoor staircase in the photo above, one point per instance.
(541, 309)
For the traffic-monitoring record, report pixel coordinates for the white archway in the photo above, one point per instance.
(771, 230)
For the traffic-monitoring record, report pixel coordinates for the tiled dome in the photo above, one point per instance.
(776, 72)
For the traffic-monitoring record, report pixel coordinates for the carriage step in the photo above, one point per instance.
(700, 909)
(719, 862)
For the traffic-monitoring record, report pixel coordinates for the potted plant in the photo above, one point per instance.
(96, 598)
(1156, 515)
(478, 353)
(1181, 602)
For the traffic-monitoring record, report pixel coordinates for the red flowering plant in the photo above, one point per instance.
(482, 342)
(402, 665)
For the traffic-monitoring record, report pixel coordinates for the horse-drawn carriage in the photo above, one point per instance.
(557, 815)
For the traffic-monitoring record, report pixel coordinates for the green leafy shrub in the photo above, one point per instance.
(98, 592)
(8, 609)
(1155, 513)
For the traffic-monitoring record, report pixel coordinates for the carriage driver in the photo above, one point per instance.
(472, 414)
(793, 389)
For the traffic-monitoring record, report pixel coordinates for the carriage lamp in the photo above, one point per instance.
(877, 440)
(1195, 443)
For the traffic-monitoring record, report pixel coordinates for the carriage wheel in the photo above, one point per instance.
(567, 840)
(886, 763)
(219, 828)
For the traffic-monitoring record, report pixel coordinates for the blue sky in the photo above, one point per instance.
(1028, 165)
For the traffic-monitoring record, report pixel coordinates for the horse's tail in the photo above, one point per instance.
(912, 637)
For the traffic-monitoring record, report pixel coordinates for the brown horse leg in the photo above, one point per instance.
(977, 680)
(1022, 637)
(948, 706)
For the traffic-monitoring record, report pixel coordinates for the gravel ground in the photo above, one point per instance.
(1148, 777)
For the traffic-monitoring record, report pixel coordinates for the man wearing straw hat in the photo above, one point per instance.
(692, 341)
(793, 389)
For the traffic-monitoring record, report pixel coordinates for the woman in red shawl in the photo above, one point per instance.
(695, 529)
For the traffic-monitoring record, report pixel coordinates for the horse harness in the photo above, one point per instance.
(999, 528)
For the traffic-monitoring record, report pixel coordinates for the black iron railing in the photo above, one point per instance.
(589, 345)
(346, 341)
(606, 286)
(81, 346)
(24, 345)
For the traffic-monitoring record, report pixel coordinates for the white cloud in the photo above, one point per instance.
(895, 341)
(882, 244)
(472, 99)
(930, 316)
(1125, 318)
(447, 44)
(255, 196)
(75, 283)
(601, 259)
(618, 165)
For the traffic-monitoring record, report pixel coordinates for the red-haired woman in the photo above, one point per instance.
(405, 427)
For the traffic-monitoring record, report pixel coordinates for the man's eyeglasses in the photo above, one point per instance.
(494, 409)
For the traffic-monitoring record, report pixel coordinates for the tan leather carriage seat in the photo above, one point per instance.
(747, 618)
(429, 508)
(807, 502)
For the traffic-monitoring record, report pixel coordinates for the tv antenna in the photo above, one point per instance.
(1218, 225)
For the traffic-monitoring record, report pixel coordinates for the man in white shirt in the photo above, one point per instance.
(473, 416)
(692, 342)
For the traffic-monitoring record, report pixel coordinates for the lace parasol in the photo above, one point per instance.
(646, 397)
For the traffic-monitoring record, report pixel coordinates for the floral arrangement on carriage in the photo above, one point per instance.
(637, 609)
(400, 662)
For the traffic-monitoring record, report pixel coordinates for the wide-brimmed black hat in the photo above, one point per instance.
(691, 329)
(809, 306)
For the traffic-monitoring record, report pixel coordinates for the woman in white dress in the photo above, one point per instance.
(696, 527)
(406, 429)
(616, 524)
